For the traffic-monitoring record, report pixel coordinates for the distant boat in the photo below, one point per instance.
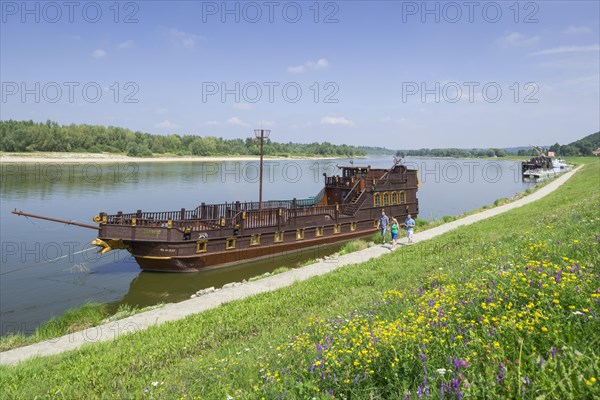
(560, 165)
(542, 167)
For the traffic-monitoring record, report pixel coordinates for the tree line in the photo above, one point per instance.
(581, 147)
(453, 153)
(29, 136)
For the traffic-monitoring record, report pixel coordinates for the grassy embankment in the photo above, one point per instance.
(78, 319)
(504, 308)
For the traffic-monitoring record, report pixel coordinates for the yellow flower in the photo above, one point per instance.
(544, 329)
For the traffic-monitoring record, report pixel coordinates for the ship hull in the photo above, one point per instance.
(204, 262)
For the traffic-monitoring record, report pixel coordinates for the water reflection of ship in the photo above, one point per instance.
(151, 288)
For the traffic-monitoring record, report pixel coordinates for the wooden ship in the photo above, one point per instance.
(218, 235)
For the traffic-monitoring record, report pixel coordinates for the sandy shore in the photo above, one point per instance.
(50, 157)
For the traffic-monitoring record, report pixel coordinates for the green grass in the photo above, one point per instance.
(90, 314)
(87, 316)
(398, 316)
(354, 245)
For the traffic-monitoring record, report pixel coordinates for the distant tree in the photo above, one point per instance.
(500, 152)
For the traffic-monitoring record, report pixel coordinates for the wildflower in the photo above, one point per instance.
(441, 371)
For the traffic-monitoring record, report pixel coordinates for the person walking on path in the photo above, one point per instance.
(409, 223)
(382, 224)
(394, 230)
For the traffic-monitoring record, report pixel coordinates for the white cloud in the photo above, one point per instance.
(577, 30)
(296, 70)
(236, 122)
(309, 65)
(126, 44)
(99, 53)
(183, 39)
(567, 49)
(243, 106)
(166, 124)
(337, 121)
(390, 120)
(518, 39)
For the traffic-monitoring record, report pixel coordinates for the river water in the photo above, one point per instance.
(47, 268)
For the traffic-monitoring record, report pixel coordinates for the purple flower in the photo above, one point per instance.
(558, 276)
(423, 358)
(502, 372)
(553, 352)
(455, 384)
(419, 391)
(357, 378)
(431, 303)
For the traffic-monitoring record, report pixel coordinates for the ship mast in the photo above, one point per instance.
(261, 134)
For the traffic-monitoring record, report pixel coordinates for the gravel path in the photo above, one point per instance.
(211, 300)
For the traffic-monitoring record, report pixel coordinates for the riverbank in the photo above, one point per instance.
(54, 157)
(262, 345)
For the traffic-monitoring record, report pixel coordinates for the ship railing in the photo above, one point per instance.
(338, 181)
(209, 214)
(258, 218)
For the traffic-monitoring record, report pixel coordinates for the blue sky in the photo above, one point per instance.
(394, 74)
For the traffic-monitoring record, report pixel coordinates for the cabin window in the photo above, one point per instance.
(299, 234)
(278, 237)
(394, 199)
(402, 197)
(386, 199)
(337, 228)
(201, 246)
(352, 226)
(376, 200)
(230, 243)
(254, 240)
(319, 231)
